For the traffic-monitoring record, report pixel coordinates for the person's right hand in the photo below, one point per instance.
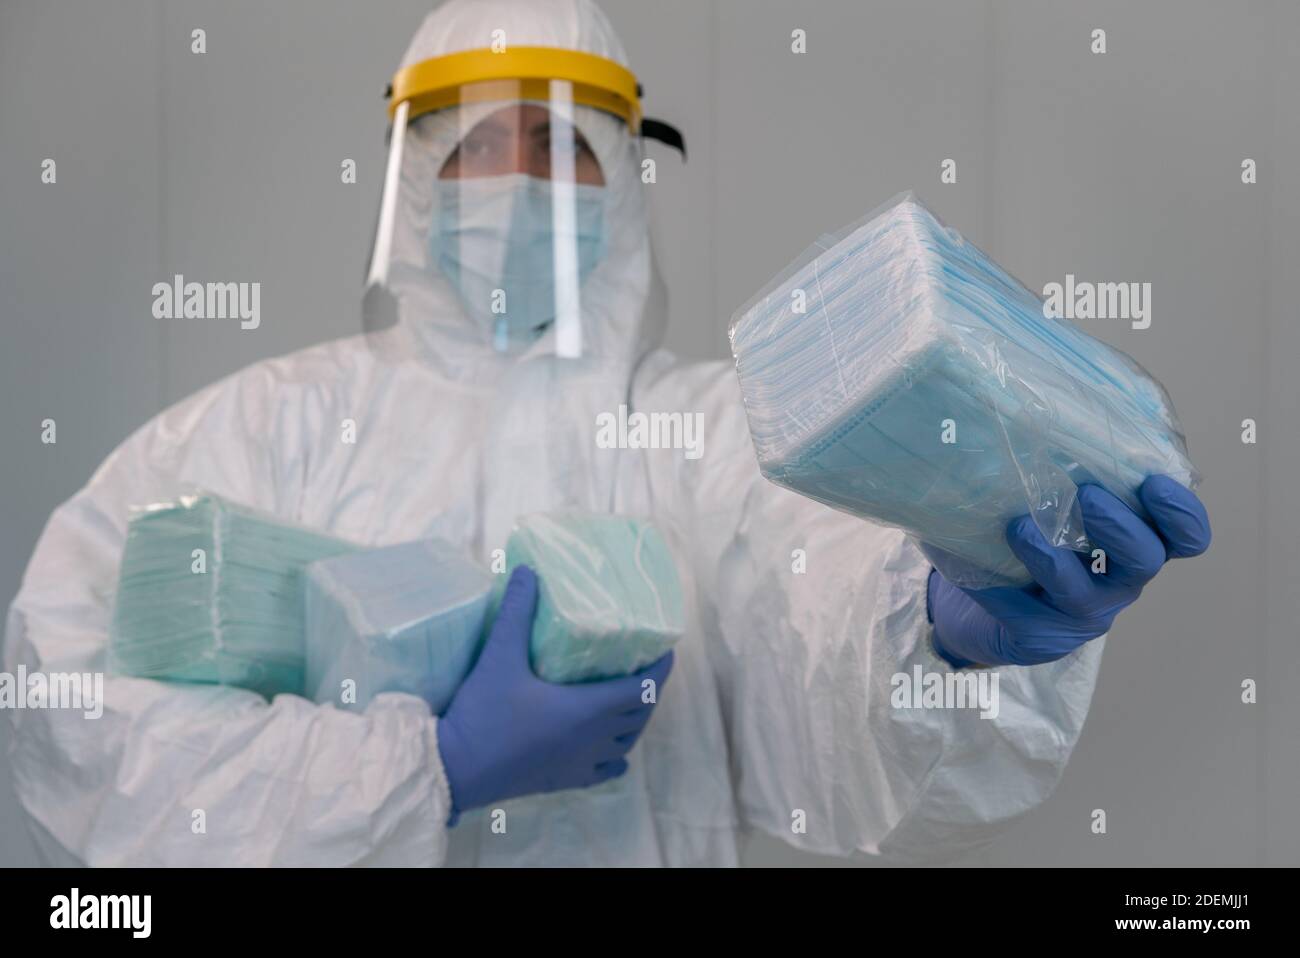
(508, 733)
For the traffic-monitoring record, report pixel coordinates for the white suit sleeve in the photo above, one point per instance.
(816, 613)
(202, 775)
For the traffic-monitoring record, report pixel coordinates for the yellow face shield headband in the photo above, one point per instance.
(518, 73)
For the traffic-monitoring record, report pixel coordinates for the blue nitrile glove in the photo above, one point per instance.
(507, 733)
(1069, 604)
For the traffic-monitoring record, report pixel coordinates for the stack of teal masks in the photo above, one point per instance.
(895, 372)
(406, 618)
(609, 602)
(213, 592)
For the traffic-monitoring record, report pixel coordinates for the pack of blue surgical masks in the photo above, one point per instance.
(895, 372)
(405, 618)
(210, 591)
(609, 601)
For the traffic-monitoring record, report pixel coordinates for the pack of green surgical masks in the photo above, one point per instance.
(210, 591)
(895, 372)
(609, 601)
(404, 618)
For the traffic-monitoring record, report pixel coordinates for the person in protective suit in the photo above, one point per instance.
(512, 298)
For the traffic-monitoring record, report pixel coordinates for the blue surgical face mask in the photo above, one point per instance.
(897, 373)
(496, 233)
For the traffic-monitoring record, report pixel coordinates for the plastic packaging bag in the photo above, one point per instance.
(895, 372)
(406, 618)
(609, 601)
(209, 591)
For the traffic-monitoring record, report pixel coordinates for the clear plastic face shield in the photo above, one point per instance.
(500, 201)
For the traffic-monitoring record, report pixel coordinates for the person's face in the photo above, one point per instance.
(518, 139)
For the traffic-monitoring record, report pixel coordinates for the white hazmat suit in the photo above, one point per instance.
(777, 716)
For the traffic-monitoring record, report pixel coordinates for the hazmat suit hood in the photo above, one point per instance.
(537, 408)
(622, 304)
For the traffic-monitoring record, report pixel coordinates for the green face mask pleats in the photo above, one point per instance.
(212, 592)
(609, 600)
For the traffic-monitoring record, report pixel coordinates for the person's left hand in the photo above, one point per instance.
(1068, 604)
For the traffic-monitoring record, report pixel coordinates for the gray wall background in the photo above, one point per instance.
(1118, 167)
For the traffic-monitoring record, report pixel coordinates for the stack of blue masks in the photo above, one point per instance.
(406, 618)
(609, 601)
(209, 591)
(897, 373)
